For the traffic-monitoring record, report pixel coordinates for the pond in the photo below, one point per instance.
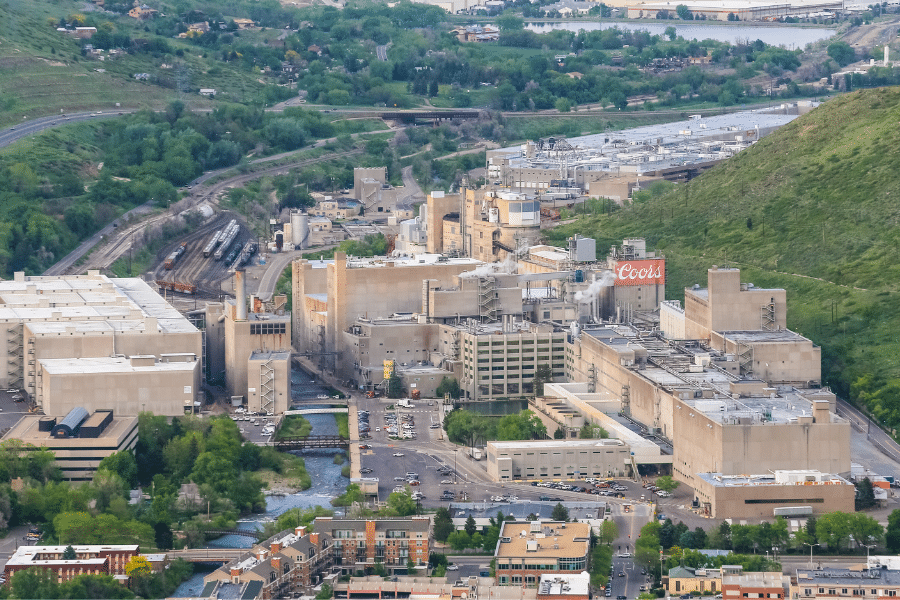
(789, 37)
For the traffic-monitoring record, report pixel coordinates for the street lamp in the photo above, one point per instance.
(810, 552)
(867, 548)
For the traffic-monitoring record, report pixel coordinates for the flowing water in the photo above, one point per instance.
(327, 483)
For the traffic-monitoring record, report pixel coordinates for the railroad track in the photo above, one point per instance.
(207, 282)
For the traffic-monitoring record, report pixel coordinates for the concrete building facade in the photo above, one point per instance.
(91, 317)
(755, 496)
(557, 459)
(528, 550)
(79, 456)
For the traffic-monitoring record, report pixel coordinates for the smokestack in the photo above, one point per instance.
(887, 54)
(240, 290)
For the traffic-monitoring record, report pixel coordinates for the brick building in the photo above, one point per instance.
(89, 560)
(528, 550)
(756, 585)
(276, 568)
(363, 543)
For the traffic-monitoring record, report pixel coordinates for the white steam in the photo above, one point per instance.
(584, 296)
(506, 267)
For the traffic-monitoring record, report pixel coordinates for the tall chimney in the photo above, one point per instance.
(240, 289)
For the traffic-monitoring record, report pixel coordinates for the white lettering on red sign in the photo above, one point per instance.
(641, 272)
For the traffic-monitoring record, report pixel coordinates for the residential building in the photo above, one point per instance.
(557, 459)
(527, 550)
(360, 544)
(280, 567)
(832, 582)
(759, 584)
(82, 444)
(89, 560)
(756, 496)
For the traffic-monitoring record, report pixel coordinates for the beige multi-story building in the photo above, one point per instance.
(832, 582)
(756, 584)
(348, 289)
(755, 496)
(97, 436)
(500, 360)
(104, 321)
(557, 459)
(528, 550)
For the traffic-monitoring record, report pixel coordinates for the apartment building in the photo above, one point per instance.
(527, 550)
(832, 582)
(760, 584)
(362, 543)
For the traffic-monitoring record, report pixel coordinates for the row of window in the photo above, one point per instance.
(848, 591)
(267, 328)
(517, 567)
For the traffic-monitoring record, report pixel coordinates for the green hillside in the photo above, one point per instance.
(813, 208)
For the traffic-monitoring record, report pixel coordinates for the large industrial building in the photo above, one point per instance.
(741, 10)
(557, 459)
(596, 164)
(98, 343)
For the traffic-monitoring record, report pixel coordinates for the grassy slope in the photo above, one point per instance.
(813, 208)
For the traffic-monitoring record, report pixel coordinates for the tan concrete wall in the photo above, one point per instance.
(557, 461)
(127, 393)
(239, 344)
(732, 501)
(779, 362)
(377, 292)
(282, 382)
(306, 280)
(451, 236)
(730, 308)
(437, 209)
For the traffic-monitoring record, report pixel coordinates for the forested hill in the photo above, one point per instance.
(813, 208)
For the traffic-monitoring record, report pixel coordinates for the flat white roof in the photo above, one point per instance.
(410, 261)
(518, 445)
(107, 364)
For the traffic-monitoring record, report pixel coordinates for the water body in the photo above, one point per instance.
(789, 37)
(327, 483)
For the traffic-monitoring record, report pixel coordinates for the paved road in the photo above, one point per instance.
(33, 126)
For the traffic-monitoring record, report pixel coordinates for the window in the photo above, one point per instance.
(267, 328)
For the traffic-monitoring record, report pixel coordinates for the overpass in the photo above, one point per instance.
(218, 555)
(312, 441)
(317, 411)
(410, 116)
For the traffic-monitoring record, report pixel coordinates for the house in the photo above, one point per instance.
(85, 33)
(208, 92)
(142, 12)
(244, 23)
(142, 76)
(315, 50)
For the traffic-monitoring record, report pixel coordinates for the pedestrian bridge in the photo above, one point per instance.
(317, 411)
(220, 555)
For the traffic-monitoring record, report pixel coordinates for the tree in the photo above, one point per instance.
(865, 495)
(842, 53)
(402, 503)
(560, 513)
(560, 433)
(325, 593)
(69, 553)
(590, 431)
(122, 464)
(470, 527)
(395, 385)
(542, 375)
(609, 531)
(138, 566)
(833, 529)
(671, 32)
(443, 524)
(508, 21)
(666, 483)
(448, 385)
(35, 582)
(892, 537)
(684, 12)
(563, 105)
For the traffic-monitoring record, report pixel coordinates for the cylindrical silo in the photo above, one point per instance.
(299, 229)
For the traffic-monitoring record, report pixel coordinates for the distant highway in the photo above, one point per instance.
(33, 126)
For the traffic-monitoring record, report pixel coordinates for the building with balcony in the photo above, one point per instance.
(360, 544)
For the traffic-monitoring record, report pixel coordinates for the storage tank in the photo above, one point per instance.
(299, 229)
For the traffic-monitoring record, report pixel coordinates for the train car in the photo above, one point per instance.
(228, 239)
(213, 242)
(175, 256)
(244, 257)
(174, 286)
